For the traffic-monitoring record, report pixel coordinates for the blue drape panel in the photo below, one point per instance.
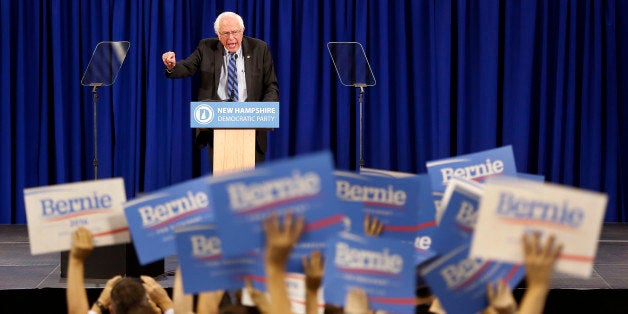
(549, 78)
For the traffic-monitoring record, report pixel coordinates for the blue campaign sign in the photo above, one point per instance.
(302, 185)
(476, 167)
(153, 217)
(460, 215)
(383, 268)
(394, 201)
(203, 268)
(426, 211)
(460, 282)
(234, 115)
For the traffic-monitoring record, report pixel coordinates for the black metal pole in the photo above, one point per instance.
(361, 126)
(95, 161)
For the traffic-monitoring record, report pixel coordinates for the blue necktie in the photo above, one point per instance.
(232, 81)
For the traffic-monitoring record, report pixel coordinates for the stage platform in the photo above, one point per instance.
(33, 284)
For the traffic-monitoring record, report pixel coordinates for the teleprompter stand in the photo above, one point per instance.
(353, 70)
(109, 261)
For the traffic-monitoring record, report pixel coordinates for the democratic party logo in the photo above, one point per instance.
(203, 114)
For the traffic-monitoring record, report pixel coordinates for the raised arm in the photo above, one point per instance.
(280, 239)
(208, 302)
(182, 303)
(314, 269)
(76, 296)
(539, 262)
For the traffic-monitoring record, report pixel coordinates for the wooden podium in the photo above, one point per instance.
(234, 150)
(234, 125)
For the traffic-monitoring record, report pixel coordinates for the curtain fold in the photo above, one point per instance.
(453, 77)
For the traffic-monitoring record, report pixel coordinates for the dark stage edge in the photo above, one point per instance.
(32, 284)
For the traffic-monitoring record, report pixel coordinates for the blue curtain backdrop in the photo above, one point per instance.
(549, 78)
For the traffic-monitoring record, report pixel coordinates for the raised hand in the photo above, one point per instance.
(372, 227)
(82, 243)
(500, 298)
(169, 59)
(540, 259)
(280, 239)
(356, 302)
(313, 270)
(157, 293)
(258, 297)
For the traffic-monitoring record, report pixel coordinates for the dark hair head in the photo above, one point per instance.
(422, 291)
(129, 296)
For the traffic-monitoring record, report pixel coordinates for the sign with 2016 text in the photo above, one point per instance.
(54, 212)
(511, 207)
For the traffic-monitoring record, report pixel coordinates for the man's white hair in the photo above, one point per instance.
(227, 14)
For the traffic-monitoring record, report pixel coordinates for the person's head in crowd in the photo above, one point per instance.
(120, 295)
(229, 28)
(128, 296)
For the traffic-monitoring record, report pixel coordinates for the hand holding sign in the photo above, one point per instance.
(82, 244)
(540, 259)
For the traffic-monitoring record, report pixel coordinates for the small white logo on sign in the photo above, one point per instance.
(203, 114)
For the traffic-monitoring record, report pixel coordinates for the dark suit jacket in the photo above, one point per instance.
(259, 69)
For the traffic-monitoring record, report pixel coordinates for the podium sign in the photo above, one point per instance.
(234, 115)
(234, 125)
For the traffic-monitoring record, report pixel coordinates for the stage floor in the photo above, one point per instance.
(21, 270)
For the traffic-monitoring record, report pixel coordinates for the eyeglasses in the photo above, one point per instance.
(228, 34)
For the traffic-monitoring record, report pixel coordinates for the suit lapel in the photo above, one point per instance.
(247, 64)
(219, 53)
